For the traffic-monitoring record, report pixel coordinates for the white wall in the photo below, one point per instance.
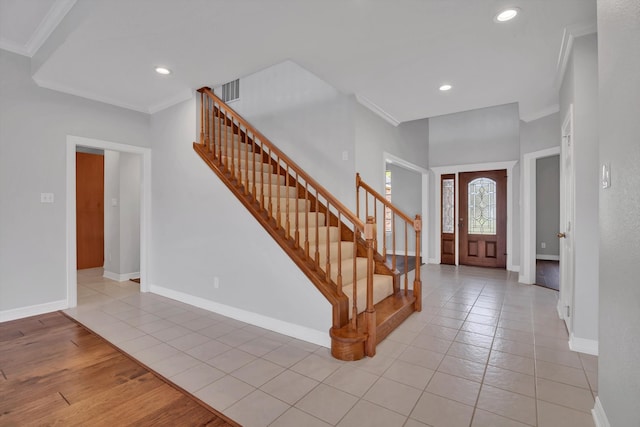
(201, 231)
(406, 195)
(548, 205)
(34, 124)
(580, 88)
(307, 119)
(484, 135)
(129, 203)
(111, 213)
(619, 129)
(374, 137)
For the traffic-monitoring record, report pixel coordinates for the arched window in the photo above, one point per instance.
(482, 206)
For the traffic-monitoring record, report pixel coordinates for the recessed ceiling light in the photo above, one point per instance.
(445, 88)
(163, 70)
(507, 14)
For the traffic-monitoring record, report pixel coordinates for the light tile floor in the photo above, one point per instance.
(484, 352)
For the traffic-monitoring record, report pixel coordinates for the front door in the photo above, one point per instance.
(482, 222)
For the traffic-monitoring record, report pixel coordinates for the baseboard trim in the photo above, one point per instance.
(121, 277)
(599, 417)
(433, 261)
(548, 257)
(583, 345)
(514, 268)
(559, 308)
(290, 329)
(32, 310)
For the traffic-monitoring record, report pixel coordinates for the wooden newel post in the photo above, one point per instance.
(417, 283)
(370, 313)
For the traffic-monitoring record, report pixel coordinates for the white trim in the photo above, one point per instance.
(515, 268)
(528, 208)
(552, 109)
(49, 23)
(87, 95)
(546, 257)
(183, 95)
(559, 309)
(583, 345)
(11, 46)
(456, 169)
(433, 261)
(599, 417)
(424, 173)
(32, 310)
(120, 277)
(379, 111)
(569, 35)
(290, 329)
(145, 209)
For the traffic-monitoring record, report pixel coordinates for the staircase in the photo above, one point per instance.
(329, 243)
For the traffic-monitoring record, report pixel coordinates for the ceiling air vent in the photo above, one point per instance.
(231, 91)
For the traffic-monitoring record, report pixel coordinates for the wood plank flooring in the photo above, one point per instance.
(53, 371)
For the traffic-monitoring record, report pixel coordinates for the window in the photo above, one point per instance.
(231, 91)
(448, 204)
(482, 206)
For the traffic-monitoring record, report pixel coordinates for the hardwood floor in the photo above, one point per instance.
(53, 371)
(548, 274)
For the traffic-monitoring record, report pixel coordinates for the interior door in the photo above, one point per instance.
(482, 222)
(567, 218)
(90, 210)
(448, 219)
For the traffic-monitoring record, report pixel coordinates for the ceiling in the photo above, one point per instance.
(393, 55)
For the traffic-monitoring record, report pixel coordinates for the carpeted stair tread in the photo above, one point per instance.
(382, 288)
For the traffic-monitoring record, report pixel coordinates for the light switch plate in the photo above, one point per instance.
(46, 197)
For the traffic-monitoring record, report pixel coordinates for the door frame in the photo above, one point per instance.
(528, 263)
(456, 169)
(424, 173)
(145, 209)
(567, 266)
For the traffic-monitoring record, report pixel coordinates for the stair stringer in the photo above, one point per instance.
(338, 301)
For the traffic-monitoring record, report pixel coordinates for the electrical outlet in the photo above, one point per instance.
(216, 282)
(345, 155)
(543, 245)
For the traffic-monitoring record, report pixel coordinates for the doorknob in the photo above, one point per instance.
(561, 235)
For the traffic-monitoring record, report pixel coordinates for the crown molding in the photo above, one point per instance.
(11, 46)
(569, 35)
(88, 95)
(552, 109)
(182, 96)
(379, 111)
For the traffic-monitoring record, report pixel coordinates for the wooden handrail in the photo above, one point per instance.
(297, 169)
(259, 172)
(361, 184)
(415, 223)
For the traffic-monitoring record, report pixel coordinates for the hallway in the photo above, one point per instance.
(485, 351)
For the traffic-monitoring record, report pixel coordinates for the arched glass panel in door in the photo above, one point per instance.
(482, 206)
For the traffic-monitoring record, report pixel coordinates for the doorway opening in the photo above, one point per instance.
(406, 186)
(139, 159)
(451, 215)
